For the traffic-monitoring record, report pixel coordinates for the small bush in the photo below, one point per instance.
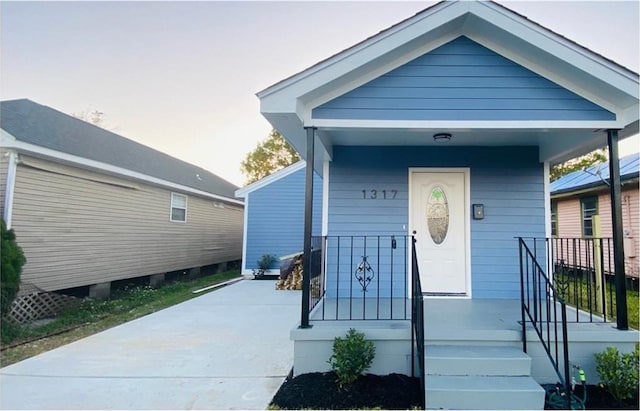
(12, 259)
(351, 357)
(619, 373)
(266, 261)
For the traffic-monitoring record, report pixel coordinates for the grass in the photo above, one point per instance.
(579, 292)
(92, 316)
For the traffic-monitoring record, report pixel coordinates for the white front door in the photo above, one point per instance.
(439, 223)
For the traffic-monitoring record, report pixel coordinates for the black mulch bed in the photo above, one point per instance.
(320, 391)
(391, 392)
(599, 399)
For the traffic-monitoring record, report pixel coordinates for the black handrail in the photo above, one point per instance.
(582, 271)
(539, 302)
(417, 322)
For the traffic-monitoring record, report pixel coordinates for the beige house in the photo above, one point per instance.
(577, 197)
(90, 207)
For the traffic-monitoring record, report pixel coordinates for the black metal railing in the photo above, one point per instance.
(582, 270)
(316, 285)
(360, 278)
(540, 303)
(417, 322)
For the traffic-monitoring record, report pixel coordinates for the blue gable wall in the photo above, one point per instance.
(461, 80)
(509, 181)
(275, 219)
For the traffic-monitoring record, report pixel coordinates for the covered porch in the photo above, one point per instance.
(434, 140)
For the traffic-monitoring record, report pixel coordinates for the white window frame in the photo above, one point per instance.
(173, 196)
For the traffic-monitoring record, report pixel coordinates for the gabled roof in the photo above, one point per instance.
(595, 176)
(41, 126)
(288, 104)
(271, 178)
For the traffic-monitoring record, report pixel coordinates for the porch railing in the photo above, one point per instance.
(417, 322)
(316, 286)
(359, 278)
(582, 270)
(540, 303)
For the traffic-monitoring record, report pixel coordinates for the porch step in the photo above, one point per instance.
(480, 377)
(483, 393)
(476, 360)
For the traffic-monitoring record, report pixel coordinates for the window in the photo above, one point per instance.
(554, 219)
(589, 208)
(178, 208)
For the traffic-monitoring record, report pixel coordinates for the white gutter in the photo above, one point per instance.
(10, 188)
(109, 169)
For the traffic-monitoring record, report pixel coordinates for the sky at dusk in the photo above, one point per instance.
(181, 77)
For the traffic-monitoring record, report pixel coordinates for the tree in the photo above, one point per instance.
(271, 155)
(12, 259)
(579, 163)
(95, 117)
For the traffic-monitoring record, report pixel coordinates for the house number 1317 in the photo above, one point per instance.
(379, 194)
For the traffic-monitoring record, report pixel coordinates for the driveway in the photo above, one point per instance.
(228, 349)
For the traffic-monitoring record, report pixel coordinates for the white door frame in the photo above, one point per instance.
(467, 219)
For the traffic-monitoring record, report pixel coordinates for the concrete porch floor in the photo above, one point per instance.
(450, 321)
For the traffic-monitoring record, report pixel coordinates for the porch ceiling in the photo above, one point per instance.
(555, 145)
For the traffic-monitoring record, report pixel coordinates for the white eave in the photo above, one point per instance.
(288, 104)
(9, 141)
(263, 182)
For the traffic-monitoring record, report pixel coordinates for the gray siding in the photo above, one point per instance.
(509, 181)
(275, 220)
(461, 80)
(78, 227)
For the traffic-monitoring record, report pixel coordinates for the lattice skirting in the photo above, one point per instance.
(39, 305)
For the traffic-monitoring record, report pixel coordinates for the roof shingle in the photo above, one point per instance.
(43, 126)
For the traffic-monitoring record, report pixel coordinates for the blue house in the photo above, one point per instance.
(434, 140)
(274, 215)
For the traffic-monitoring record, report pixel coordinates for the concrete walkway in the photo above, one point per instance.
(228, 349)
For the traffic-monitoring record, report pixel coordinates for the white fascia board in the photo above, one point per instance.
(545, 39)
(572, 54)
(244, 191)
(6, 138)
(282, 95)
(86, 163)
(357, 49)
(463, 125)
(312, 87)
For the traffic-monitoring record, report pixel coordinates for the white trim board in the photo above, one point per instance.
(244, 191)
(81, 162)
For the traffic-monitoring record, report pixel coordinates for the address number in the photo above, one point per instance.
(379, 194)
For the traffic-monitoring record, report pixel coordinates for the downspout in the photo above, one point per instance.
(308, 226)
(618, 239)
(10, 188)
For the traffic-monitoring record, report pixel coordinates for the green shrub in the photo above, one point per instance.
(618, 373)
(265, 262)
(12, 260)
(351, 357)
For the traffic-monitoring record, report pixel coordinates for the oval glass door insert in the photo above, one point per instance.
(437, 215)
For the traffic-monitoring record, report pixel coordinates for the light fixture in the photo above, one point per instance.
(442, 137)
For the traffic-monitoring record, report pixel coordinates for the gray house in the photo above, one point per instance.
(434, 140)
(90, 207)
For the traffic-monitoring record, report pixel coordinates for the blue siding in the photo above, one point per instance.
(509, 181)
(461, 80)
(275, 219)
